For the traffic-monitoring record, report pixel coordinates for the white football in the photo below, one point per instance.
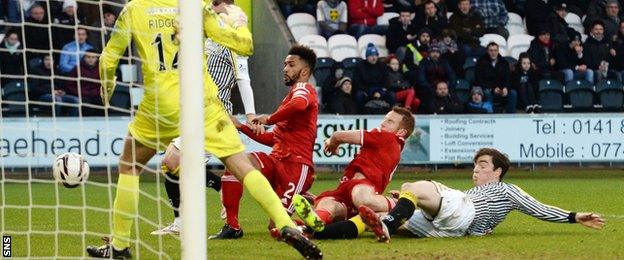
(70, 169)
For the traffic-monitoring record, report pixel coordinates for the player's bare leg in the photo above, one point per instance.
(131, 163)
(421, 194)
(365, 195)
(259, 188)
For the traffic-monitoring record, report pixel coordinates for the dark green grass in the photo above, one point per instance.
(519, 236)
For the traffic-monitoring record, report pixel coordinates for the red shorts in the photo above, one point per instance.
(342, 194)
(286, 178)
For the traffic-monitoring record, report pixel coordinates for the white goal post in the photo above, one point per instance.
(192, 177)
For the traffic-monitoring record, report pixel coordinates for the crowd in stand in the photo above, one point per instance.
(50, 51)
(430, 43)
(433, 46)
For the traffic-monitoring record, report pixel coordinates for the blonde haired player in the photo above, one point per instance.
(151, 25)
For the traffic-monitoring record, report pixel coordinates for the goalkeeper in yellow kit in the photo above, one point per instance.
(151, 25)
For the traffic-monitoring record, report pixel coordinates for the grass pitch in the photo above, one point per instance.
(84, 217)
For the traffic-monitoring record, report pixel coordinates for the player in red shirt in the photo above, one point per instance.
(289, 166)
(366, 177)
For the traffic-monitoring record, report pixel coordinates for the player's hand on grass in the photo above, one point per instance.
(590, 220)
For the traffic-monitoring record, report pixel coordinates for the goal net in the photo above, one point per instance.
(51, 105)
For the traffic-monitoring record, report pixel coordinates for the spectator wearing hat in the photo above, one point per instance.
(401, 32)
(363, 16)
(494, 15)
(542, 54)
(538, 14)
(597, 47)
(397, 82)
(370, 79)
(342, 102)
(63, 24)
(477, 103)
(431, 19)
(571, 60)
(432, 70)
(446, 102)
(331, 16)
(493, 75)
(469, 27)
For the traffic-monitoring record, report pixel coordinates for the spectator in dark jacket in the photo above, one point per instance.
(330, 88)
(289, 7)
(571, 61)
(597, 46)
(537, 15)
(415, 52)
(560, 30)
(11, 58)
(36, 35)
(432, 69)
(370, 79)
(469, 27)
(612, 18)
(477, 103)
(89, 87)
(446, 102)
(492, 74)
(46, 89)
(95, 38)
(617, 45)
(542, 54)
(431, 19)
(525, 80)
(398, 83)
(450, 50)
(342, 102)
(400, 32)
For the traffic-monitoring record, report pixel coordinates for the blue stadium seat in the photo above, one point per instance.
(462, 89)
(323, 70)
(551, 95)
(610, 95)
(349, 66)
(580, 94)
(14, 99)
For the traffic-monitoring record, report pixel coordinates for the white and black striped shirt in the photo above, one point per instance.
(494, 201)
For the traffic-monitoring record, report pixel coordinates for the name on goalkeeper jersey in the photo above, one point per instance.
(161, 23)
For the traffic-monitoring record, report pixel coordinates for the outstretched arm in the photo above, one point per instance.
(341, 137)
(115, 48)
(265, 138)
(530, 206)
(237, 39)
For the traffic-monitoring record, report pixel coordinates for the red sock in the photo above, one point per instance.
(231, 193)
(324, 215)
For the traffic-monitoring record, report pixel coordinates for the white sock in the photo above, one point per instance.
(177, 222)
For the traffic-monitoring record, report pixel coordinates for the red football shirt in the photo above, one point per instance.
(379, 155)
(295, 121)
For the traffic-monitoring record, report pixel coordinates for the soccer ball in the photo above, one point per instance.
(70, 169)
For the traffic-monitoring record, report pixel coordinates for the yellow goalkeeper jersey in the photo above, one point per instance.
(151, 25)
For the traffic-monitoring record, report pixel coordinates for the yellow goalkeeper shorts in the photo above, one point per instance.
(153, 129)
(222, 138)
